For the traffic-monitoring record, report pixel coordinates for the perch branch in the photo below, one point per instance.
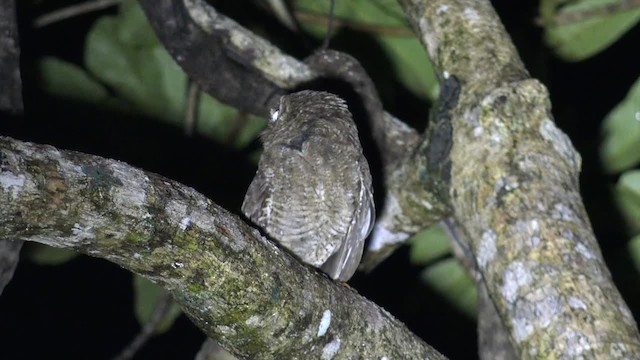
(235, 285)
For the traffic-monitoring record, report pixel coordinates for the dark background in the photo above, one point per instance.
(83, 309)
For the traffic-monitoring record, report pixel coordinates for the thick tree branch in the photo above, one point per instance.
(237, 286)
(10, 81)
(514, 190)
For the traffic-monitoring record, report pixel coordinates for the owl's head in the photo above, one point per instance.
(308, 102)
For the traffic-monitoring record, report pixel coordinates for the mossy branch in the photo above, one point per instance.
(514, 191)
(238, 287)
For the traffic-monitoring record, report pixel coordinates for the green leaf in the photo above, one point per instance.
(428, 245)
(627, 195)
(450, 279)
(67, 80)
(125, 54)
(620, 149)
(578, 40)
(406, 53)
(634, 250)
(147, 295)
(48, 255)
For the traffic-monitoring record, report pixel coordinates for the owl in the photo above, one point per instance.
(312, 190)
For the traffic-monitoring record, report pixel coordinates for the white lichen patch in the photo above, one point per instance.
(507, 183)
(184, 223)
(82, 232)
(331, 349)
(495, 138)
(225, 330)
(427, 205)
(477, 131)
(516, 275)
(69, 168)
(547, 306)
(471, 15)
(175, 211)
(576, 344)
(487, 248)
(584, 251)
(11, 183)
(522, 328)
(562, 212)
(560, 142)
(137, 256)
(624, 310)
(535, 311)
(442, 9)
(535, 225)
(324, 323)
(576, 303)
(131, 196)
(428, 36)
(254, 320)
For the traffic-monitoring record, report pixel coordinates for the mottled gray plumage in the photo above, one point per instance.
(312, 191)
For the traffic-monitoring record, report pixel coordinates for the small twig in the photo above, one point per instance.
(191, 113)
(239, 124)
(305, 16)
(160, 311)
(72, 11)
(327, 37)
(588, 14)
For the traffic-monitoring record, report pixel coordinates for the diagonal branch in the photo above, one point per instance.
(514, 191)
(237, 286)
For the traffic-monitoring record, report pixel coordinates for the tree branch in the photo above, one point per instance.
(237, 286)
(11, 83)
(514, 190)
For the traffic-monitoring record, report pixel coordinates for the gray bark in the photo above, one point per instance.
(238, 287)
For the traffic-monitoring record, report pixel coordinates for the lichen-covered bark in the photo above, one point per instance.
(514, 190)
(237, 286)
(11, 83)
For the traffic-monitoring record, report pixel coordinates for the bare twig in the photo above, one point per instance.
(191, 112)
(311, 17)
(565, 18)
(72, 11)
(160, 311)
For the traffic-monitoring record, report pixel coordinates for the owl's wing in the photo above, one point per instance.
(344, 263)
(257, 202)
(286, 199)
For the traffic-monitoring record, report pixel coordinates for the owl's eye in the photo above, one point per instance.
(274, 114)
